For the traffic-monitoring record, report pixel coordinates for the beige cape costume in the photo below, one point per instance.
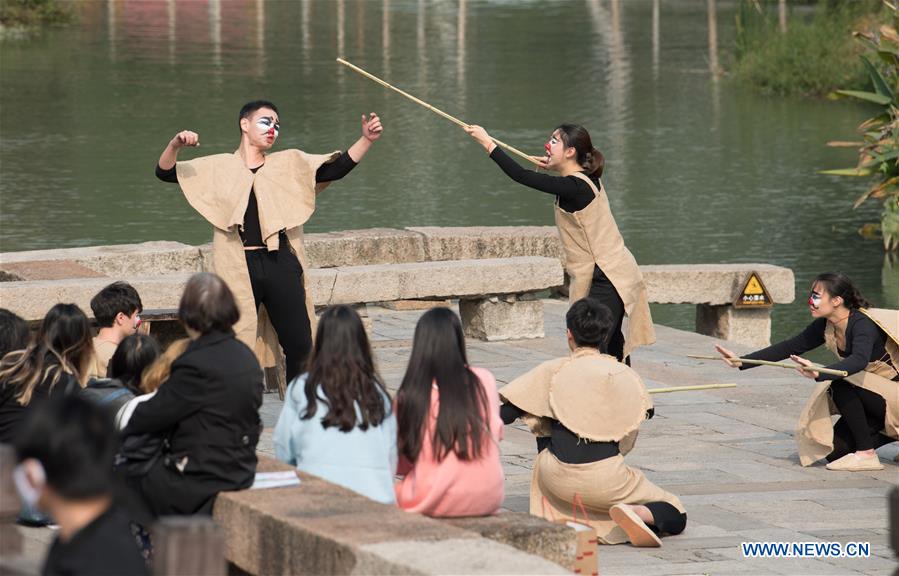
(590, 237)
(600, 400)
(218, 187)
(814, 432)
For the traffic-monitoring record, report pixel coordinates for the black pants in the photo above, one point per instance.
(862, 415)
(601, 289)
(277, 281)
(668, 520)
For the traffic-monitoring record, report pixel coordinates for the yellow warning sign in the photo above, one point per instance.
(754, 294)
(753, 286)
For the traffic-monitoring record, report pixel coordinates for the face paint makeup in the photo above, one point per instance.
(268, 126)
(137, 322)
(814, 300)
(548, 146)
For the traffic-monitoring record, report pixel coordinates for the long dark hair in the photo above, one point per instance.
(63, 346)
(438, 356)
(14, 333)
(590, 159)
(132, 356)
(341, 363)
(838, 284)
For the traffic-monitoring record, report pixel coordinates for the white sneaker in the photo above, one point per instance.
(855, 463)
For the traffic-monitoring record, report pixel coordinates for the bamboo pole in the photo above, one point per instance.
(436, 110)
(812, 368)
(688, 388)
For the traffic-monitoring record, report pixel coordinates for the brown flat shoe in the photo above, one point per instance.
(637, 531)
(853, 463)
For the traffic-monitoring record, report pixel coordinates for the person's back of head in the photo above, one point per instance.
(63, 346)
(14, 334)
(118, 298)
(589, 158)
(132, 356)
(207, 305)
(589, 324)
(341, 364)
(160, 370)
(438, 356)
(69, 442)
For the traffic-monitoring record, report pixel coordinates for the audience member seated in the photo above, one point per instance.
(448, 426)
(208, 409)
(56, 362)
(65, 452)
(134, 355)
(14, 333)
(337, 422)
(116, 309)
(152, 378)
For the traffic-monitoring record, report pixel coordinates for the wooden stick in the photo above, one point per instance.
(435, 110)
(688, 388)
(812, 368)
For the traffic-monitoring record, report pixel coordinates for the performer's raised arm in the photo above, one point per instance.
(165, 167)
(340, 167)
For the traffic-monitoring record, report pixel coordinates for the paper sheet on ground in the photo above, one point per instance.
(275, 480)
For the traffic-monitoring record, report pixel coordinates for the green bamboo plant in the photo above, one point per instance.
(878, 158)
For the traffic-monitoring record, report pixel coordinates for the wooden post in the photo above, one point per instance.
(188, 546)
(276, 377)
(10, 539)
(894, 520)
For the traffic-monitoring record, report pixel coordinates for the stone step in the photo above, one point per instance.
(321, 528)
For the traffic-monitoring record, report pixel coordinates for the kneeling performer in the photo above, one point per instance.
(586, 410)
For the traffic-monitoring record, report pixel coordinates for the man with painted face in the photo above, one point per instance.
(257, 203)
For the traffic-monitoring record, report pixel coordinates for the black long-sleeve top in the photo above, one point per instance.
(865, 343)
(573, 193)
(252, 233)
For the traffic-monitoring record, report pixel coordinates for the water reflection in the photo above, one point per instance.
(171, 11)
(215, 36)
(656, 17)
(606, 23)
(699, 170)
(712, 9)
(385, 38)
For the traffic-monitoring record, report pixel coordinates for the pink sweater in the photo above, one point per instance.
(455, 487)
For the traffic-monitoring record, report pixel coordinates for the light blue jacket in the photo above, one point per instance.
(361, 460)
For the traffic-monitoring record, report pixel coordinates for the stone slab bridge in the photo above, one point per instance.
(496, 273)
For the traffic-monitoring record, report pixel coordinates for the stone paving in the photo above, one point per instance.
(729, 454)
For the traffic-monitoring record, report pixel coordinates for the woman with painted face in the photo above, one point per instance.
(257, 203)
(598, 263)
(866, 341)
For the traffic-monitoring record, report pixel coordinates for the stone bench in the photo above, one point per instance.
(496, 295)
(712, 288)
(320, 528)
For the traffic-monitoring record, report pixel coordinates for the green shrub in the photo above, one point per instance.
(813, 57)
(33, 13)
